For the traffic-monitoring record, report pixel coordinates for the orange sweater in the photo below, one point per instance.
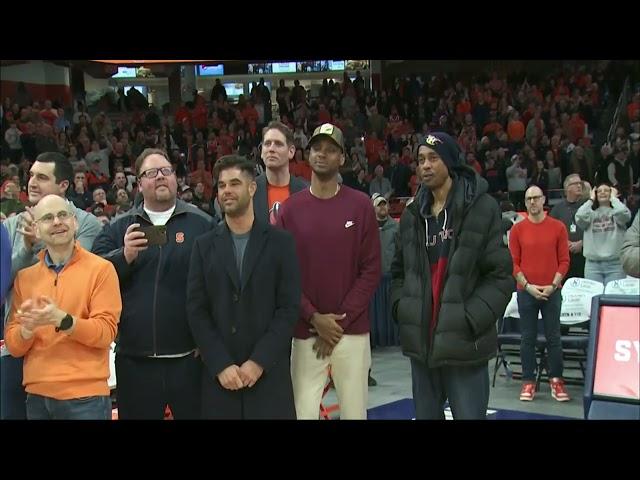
(59, 365)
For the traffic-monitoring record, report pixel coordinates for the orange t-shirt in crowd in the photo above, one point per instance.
(463, 107)
(181, 114)
(49, 116)
(300, 169)
(515, 130)
(199, 117)
(227, 144)
(372, 149)
(490, 128)
(577, 127)
(324, 116)
(414, 183)
(206, 179)
(276, 196)
(249, 113)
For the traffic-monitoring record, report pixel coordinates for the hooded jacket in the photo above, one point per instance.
(477, 282)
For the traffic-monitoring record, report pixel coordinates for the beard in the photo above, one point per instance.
(164, 195)
(326, 175)
(238, 209)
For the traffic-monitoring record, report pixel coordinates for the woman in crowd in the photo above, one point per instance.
(604, 220)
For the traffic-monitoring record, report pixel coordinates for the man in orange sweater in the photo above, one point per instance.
(63, 319)
(540, 250)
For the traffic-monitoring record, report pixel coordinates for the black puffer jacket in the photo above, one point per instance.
(478, 281)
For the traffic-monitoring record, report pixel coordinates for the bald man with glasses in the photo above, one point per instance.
(156, 359)
(63, 318)
(540, 250)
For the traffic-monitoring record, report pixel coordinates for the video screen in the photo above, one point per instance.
(617, 367)
(234, 90)
(313, 66)
(336, 64)
(210, 70)
(356, 65)
(125, 72)
(260, 68)
(286, 67)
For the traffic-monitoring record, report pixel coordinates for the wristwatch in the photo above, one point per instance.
(66, 323)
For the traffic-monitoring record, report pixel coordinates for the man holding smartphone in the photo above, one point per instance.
(150, 247)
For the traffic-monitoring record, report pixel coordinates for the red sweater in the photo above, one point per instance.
(338, 248)
(539, 250)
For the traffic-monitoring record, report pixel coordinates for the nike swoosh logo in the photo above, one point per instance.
(349, 224)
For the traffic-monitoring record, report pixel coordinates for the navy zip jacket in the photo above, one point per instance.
(154, 285)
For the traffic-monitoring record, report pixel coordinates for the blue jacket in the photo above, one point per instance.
(5, 263)
(154, 286)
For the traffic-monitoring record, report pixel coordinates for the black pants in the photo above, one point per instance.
(384, 331)
(145, 386)
(12, 395)
(550, 309)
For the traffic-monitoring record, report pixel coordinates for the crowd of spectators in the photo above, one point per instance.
(514, 129)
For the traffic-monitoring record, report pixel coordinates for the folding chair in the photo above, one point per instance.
(325, 412)
(509, 336)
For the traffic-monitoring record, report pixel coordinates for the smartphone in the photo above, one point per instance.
(155, 234)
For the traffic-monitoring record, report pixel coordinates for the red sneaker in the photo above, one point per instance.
(558, 390)
(528, 392)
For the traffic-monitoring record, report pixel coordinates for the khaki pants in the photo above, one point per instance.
(350, 362)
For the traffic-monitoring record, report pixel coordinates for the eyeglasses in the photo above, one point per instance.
(153, 172)
(533, 199)
(62, 215)
(574, 183)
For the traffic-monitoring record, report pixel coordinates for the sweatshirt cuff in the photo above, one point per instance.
(19, 346)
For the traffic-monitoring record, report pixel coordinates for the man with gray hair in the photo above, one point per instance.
(565, 211)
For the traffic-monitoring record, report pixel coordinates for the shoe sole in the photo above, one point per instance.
(561, 399)
(526, 399)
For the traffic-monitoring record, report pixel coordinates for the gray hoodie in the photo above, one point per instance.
(604, 229)
(630, 252)
(387, 243)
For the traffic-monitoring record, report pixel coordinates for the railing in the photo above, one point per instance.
(620, 109)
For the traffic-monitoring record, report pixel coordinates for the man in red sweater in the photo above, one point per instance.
(338, 246)
(540, 250)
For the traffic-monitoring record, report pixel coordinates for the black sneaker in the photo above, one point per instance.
(372, 381)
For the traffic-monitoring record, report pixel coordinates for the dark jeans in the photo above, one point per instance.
(12, 394)
(528, 307)
(384, 331)
(87, 408)
(467, 389)
(145, 386)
